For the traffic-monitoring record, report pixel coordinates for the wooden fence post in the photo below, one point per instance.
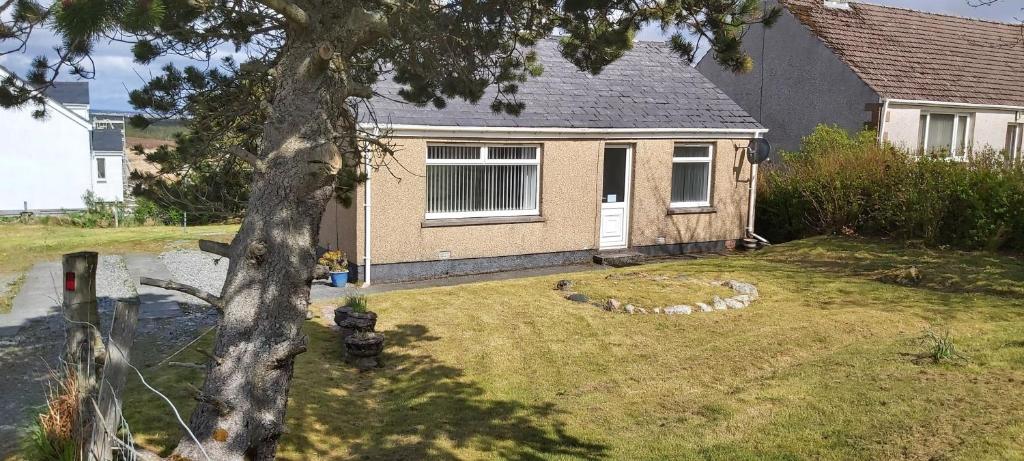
(115, 372)
(84, 345)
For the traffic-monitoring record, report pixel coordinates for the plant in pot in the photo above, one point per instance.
(337, 267)
(354, 317)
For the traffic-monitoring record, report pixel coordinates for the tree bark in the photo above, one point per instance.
(271, 266)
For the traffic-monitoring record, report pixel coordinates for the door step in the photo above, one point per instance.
(620, 258)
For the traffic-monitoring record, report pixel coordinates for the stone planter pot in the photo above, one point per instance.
(364, 348)
(356, 322)
(340, 314)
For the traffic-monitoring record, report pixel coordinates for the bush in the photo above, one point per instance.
(850, 185)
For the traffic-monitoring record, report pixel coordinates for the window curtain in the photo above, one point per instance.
(690, 182)
(940, 132)
(468, 188)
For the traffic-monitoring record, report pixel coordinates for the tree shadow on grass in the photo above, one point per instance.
(413, 407)
(945, 271)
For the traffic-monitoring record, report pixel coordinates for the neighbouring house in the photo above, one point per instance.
(647, 157)
(924, 81)
(47, 165)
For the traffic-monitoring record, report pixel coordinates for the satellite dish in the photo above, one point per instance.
(758, 150)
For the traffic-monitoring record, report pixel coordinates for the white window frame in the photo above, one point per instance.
(485, 160)
(101, 179)
(1016, 151)
(953, 148)
(709, 159)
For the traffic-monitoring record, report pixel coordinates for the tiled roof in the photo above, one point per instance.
(649, 87)
(907, 54)
(69, 92)
(108, 139)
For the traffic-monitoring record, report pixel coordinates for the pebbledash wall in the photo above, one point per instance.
(987, 128)
(405, 246)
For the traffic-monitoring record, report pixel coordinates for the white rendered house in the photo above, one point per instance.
(47, 165)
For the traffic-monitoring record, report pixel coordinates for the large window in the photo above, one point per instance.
(691, 175)
(944, 133)
(471, 181)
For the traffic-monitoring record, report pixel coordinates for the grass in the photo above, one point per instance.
(163, 130)
(822, 367)
(25, 244)
(8, 292)
(650, 287)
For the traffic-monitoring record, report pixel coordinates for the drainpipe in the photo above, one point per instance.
(881, 121)
(367, 206)
(752, 204)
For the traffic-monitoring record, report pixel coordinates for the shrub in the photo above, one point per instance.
(842, 184)
(51, 436)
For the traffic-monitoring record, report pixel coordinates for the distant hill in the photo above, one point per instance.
(162, 130)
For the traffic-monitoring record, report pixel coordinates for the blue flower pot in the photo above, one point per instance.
(339, 279)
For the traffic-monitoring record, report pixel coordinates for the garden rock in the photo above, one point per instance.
(906, 276)
(685, 310)
(734, 304)
(641, 310)
(578, 297)
(564, 285)
(743, 288)
(630, 309)
(704, 307)
(746, 300)
(719, 304)
(657, 310)
(612, 305)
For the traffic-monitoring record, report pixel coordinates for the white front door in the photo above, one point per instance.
(618, 162)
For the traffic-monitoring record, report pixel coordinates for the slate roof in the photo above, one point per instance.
(69, 92)
(649, 87)
(908, 54)
(108, 139)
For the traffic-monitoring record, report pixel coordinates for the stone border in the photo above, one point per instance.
(746, 293)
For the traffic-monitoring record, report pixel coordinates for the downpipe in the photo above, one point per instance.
(751, 209)
(367, 210)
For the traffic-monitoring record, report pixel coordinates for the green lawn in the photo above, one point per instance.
(824, 366)
(21, 245)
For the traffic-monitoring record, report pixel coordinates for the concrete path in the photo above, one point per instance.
(39, 297)
(322, 291)
(156, 302)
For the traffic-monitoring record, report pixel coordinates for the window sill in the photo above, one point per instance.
(453, 222)
(692, 210)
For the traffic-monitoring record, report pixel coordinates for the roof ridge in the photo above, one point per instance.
(933, 13)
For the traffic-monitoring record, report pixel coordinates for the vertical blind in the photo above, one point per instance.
(468, 181)
(691, 175)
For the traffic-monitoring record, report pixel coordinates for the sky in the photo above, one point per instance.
(116, 74)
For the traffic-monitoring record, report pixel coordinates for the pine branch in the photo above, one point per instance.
(215, 301)
(289, 10)
(249, 157)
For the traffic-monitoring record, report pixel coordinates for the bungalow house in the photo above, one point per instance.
(646, 157)
(924, 81)
(47, 165)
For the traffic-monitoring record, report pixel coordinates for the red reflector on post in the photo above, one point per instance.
(69, 281)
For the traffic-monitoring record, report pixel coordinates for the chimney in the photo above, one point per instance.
(837, 4)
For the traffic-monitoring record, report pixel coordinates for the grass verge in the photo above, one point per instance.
(25, 244)
(7, 293)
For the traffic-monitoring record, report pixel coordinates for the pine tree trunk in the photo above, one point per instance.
(241, 410)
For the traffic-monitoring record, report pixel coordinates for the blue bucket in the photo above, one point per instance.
(339, 279)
